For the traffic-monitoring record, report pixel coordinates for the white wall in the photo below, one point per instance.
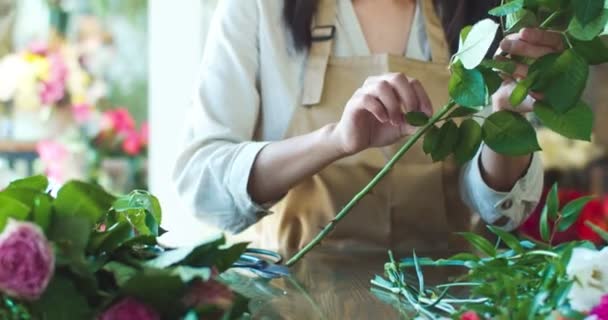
(176, 37)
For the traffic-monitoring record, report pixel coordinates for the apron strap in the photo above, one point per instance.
(440, 50)
(323, 34)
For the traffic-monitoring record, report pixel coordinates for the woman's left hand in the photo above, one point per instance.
(528, 43)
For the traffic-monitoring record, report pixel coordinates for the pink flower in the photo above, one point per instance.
(53, 89)
(27, 261)
(130, 309)
(51, 92)
(38, 47)
(211, 292)
(82, 112)
(469, 315)
(601, 310)
(131, 145)
(53, 155)
(118, 120)
(144, 134)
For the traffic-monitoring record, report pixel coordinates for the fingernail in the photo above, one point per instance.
(506, 45)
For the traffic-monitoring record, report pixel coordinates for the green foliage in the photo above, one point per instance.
(469, 140)
(509, 133)
(106, 249)
(447, 139)
(417, 118)
(576, 123)
(467, 87)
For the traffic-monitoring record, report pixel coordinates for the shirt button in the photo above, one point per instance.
(508, 204)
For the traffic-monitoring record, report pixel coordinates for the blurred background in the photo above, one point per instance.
(96, 90)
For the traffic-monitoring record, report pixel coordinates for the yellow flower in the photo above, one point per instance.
(41, 65)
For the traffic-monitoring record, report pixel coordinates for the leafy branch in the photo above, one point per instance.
(559, 77)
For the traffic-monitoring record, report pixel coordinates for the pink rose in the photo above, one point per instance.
(211, 292)
(130, 309)
(27, 261)
(469, 315)
(131, 145)
(118, 120)
(601, 310)
(52, 92)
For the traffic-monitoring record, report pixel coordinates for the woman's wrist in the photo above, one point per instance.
(331, 142)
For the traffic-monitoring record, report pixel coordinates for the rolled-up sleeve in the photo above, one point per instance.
(492, 205)
(212, 171)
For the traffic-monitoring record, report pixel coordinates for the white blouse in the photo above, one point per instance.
(250, 85)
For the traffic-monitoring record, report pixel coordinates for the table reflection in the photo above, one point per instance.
(329, 285)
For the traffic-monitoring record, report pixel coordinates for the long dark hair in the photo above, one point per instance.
(455, 14)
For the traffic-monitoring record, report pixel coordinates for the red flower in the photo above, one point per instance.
(131, 145)
(144, 134)
(118, 120)
(593, 212)
(469, 315)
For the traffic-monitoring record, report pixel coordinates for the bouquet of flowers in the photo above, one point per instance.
(85, 254)
(43, 75)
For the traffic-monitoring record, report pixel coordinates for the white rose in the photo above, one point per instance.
(589, 270)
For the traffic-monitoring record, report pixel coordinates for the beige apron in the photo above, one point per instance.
(409, 208)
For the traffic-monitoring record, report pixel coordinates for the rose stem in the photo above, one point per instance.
(385, 170)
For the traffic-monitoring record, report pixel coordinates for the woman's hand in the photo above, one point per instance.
(528, 43)
(375, 115)
(498, 171)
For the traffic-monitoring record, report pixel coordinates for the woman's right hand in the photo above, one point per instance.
(375, 114)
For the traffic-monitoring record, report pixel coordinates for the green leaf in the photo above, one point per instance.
(510, 240)
(62, 301)
(43, 210)
(112, 239)
(430, 140)
(600, 232)
(467, 87)
(480, 243)
(568, 80)
(446, 141)
(81, 199)
(586, 11)
(509, 133)
(576, 123)
(464, 257)
(419, 274)
(543, 72)
(204, 255)
(506, 66)
(70, 234)
(122, 273)
(469, 140)
(589, 31)
(521, 91)
(507, 8)
(544, 225)
(417, 118)
(594, 51)
(461, 112)
(493, 82)
(571, 212)
(477, 43)
(140, 221)
(553, 202)
(139, 200)
(12, 208)
(35, 183)
(158, 288)
(521, 19)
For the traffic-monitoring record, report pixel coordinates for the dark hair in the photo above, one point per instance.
(455, 14)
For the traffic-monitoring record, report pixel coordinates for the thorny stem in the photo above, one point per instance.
(385, 170)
